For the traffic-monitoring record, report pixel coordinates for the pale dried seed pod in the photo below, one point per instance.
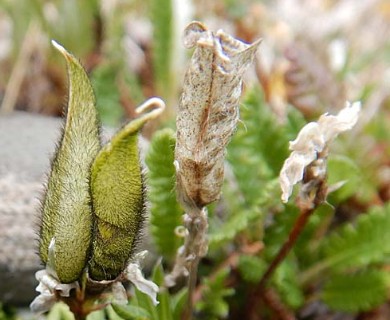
(208, 111)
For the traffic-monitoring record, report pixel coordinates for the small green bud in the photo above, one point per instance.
(118, 197)
(66, 209)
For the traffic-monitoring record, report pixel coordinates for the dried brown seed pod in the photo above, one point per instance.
(208, 111)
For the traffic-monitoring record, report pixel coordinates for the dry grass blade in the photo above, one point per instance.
(19, 70)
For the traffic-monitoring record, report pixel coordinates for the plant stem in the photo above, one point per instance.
(187, 314)
(313, 193)
(273, 300)
(299, 225)
(189, 255)
(287, 246)
(79, 316)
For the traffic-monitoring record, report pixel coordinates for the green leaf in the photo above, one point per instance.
(164, 307)
(306, 247)
(142, 300)
(341, 168)
(356, 292)
(118, 198)
(130, 312)
(104, 79)
(166, 213)
(60, 311)
(277, 233)
(178, 302)
(260, 146)
(162, 19)
(213, 304)
(67, 214)
(237, 216)
(97, 315)
(286, 284)
(227, 230)
(251, 268)
(111, 314)
(354, 246)
(7, 312)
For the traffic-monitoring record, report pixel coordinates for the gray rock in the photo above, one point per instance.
(27, 143)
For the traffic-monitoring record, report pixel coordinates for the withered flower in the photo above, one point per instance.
(311, 145)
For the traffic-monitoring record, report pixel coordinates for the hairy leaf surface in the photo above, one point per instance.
(67, 214)
(118, 202)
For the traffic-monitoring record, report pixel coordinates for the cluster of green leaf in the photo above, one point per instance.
(343, 266)
(354, 258)
(213, 305)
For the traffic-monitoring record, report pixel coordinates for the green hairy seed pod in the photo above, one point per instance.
(66, 209)
(118, 199)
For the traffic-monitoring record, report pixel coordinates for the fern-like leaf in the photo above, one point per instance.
(354, 246)
(342, 168)
(251, 268)
(286, 284)
(165, 211)
(213, 304)
(225, 231)
(358, 292)
(260, 146)
(104, 80)
(238, 217)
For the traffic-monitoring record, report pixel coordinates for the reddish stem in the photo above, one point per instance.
(259, 291)
(287, 246)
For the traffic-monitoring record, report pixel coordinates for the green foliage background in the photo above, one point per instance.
(340, 260)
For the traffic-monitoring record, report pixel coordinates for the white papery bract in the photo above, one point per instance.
(52, 290)
(312, 143)
(49, 288)
(133, 273)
